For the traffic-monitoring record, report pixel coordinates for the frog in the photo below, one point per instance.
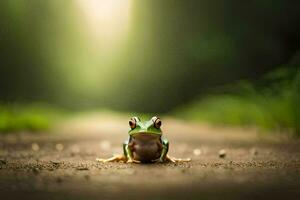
(145, 144)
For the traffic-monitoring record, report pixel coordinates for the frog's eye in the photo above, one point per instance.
(132, 122)
(156, 122)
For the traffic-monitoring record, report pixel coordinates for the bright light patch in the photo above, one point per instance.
(108, 19)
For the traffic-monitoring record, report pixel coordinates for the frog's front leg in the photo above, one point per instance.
(127, 149)
(116, 158)
(165, 149)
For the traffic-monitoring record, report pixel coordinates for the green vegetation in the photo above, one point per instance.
(16, 117)
(271, 104)
(37, 118)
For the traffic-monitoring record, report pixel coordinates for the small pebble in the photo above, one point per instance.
(55, 162)
(105, 145)
(254, 151)
(82, 168)
(35, 147)
(36, 170)
(2, 162)
(58, 180)
(75, 149)
(87, 177)
(59, 147)
(222, 153)
(197, 152)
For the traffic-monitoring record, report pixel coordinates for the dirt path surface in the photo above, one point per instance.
(62, 165)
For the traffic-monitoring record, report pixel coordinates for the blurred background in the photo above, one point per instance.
(229, 63)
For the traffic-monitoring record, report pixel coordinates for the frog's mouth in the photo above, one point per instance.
(144, 135)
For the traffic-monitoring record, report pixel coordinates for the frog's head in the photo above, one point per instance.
(145, 127)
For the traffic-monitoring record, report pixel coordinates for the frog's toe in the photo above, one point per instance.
(133, 161)
(160, 160)
(170, 159)
(101, 160)
(174, 160)
(157, 160)
(116, 158)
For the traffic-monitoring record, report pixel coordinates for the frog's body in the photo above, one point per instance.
(145, 143)
(145, 148)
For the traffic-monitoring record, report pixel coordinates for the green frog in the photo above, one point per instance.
(145, 144)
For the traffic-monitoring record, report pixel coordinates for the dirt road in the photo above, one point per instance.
(62, 165)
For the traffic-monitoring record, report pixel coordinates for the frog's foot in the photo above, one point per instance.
(175, 160)
(116, 158)
(133, 161)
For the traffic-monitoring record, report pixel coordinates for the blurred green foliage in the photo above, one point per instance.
(272, 103)
(150, 56)
(33, 118)
(144, 56)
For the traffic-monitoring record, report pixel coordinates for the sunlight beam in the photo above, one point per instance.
(107, 19)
